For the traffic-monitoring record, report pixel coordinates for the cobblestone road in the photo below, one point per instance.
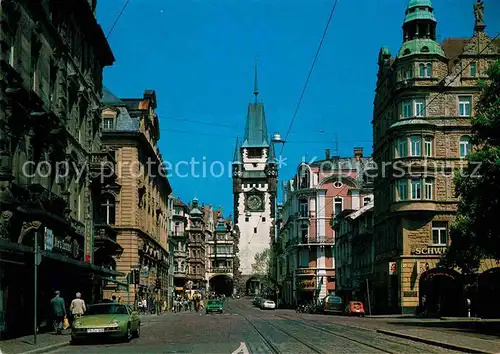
(244, 329)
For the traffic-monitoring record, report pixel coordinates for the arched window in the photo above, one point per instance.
(305, 177)
(464, 146)
(339, 205)
(108, 209)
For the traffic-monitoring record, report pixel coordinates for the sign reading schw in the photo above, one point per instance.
(62, 245)
(429, 250)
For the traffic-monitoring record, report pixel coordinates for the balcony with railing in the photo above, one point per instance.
(179, 234)
(221, 255)
(220, 270)
(106, 238)
(180, 253)
(315, 240)
(102, 166)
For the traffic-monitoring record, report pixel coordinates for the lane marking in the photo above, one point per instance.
(242, 349)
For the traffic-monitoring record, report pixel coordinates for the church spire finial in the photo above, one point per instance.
(255, 87)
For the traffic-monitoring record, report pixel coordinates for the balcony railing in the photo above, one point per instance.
(177, 234)
(178, 253)
(102, 165)
(221, 255)
(314, 240)
(220, 270)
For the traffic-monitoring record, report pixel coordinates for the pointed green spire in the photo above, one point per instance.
(237, 152)
(271, 159)
(255, 85)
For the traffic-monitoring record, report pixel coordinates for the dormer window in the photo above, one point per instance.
(108, 123)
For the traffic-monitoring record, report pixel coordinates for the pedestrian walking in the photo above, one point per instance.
(58, 311)
(144, 305)
(77, 307)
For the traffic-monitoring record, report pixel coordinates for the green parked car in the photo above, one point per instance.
(107, 320)
(214, 306)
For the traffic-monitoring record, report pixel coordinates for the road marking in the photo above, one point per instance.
(242, 349)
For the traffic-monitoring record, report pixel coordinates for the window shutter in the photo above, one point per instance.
(25, 58)
(44, 75)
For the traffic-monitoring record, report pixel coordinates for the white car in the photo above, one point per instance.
(268, 304)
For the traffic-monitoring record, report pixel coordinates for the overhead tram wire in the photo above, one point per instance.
(310, 73)
(438, 94)
(118, 18)
(325, 31)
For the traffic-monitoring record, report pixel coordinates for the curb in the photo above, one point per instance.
(460, 348)
(47, 349)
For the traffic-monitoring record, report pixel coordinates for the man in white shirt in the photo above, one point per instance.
(77, 307)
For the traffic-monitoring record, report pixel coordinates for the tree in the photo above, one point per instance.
(260, 267)
(475, 234)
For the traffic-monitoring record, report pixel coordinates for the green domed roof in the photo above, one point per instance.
(419, 10)
(418, 3)
(420, 46)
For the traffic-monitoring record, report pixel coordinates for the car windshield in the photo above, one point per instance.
(107, 309)
(334, 300)
(213, 302)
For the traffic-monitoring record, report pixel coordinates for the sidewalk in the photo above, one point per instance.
(45, 342)
(453, 341)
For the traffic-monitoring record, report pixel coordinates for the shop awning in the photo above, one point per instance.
(15, 247)
(114, 281)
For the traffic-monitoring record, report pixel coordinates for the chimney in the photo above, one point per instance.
(327, 154)
(358, 152)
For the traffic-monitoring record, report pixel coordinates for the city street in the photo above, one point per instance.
(245, 329)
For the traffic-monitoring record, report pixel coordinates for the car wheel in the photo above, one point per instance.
(74, 341)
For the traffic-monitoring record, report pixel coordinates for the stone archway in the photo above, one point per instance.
(443, 291)
(488, 286)
(221, 284)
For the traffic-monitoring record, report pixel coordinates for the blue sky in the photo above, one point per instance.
(199, 56)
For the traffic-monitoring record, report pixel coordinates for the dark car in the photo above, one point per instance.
(333, 304)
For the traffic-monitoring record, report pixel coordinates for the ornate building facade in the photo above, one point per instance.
(136, 207)
(424, 101)
(178, 235)
(51, 61)
(306, 267)
(220, 257)
(255, 177)
(196, 237)
(355, 253)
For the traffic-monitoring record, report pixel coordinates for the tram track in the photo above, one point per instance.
(310, 347)
(325, 330)
(401, 347)
(274, 348)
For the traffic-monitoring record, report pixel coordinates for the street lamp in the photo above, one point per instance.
(276, 139)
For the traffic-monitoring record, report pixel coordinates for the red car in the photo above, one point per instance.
(355, 308)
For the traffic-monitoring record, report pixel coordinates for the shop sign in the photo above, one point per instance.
(410, 294)
(49, 239)
(429, 251)
(308, 284)
(305, 271)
